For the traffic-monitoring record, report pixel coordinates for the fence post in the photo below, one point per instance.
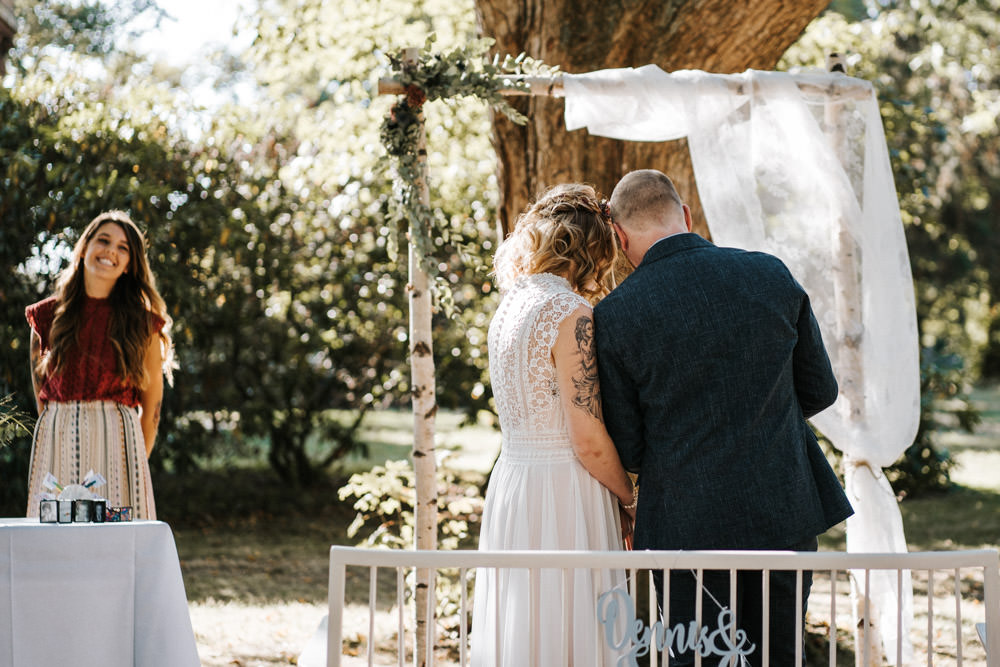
(335, 616)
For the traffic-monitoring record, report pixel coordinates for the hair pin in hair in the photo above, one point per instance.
(605, 209)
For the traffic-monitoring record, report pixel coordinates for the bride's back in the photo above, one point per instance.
(522, 372)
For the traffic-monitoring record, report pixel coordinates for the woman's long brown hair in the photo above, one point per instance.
(133, 299)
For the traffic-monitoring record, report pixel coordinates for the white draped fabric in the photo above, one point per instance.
(797, 166)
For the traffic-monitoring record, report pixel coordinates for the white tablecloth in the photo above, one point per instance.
(105, 595)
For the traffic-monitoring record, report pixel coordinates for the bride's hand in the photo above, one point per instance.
(629, 505)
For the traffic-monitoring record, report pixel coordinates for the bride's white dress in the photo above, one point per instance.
(539, 497)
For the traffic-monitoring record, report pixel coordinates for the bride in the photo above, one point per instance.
(558, 483)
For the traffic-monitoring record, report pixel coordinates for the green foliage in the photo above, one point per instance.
(944, 405)
(13, 422)
(272, 328)
(89, 27)
(461, 72)
(922, 469)
(268, 223)
(990, 364)
(853, 10)
(321, 86)
(384, 499)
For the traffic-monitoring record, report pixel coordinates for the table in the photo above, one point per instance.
(106, 595)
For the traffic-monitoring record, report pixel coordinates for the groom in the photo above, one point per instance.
(710, 363)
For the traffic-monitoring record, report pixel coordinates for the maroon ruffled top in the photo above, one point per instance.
(91, 373)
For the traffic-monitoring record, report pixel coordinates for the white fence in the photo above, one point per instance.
(959, 595)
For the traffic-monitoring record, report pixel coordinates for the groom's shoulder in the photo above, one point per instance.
(753, 259)
(617, 297)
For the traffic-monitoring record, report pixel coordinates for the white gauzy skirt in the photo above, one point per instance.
(543, 498)
(75, 437)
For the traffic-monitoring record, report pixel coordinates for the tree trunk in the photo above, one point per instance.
(8, 24)
(711, 35)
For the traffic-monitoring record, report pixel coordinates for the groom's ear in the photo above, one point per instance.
(687, 216)
(622, 236)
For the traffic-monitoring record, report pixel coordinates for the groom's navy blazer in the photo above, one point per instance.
(710, 363)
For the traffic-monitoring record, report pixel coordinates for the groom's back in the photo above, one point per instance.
(706, 344)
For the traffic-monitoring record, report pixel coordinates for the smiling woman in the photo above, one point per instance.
(99, 349)
(105, 260)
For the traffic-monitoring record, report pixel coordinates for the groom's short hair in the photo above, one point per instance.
(643, 195)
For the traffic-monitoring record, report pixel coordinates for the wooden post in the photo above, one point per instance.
(424, 396)
(847, 276)
(847, 289)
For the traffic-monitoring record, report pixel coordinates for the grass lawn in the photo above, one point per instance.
(243, 535)
(254, 552)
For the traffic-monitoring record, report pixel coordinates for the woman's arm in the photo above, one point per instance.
(36, 381)
(575, 358)
(151, 397)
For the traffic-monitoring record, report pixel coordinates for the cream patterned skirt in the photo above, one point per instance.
(75, 437)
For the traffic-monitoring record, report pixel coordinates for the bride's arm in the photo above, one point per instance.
(575, 359)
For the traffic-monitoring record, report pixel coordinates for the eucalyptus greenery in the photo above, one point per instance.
(464, 71)
(12, 420)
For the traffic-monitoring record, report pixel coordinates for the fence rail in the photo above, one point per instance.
(948, 593)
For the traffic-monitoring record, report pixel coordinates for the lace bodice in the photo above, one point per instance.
(522, 373)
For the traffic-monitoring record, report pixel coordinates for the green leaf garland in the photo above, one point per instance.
(462, 72)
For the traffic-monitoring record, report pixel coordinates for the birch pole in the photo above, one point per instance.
(423, 392)
(848, 294)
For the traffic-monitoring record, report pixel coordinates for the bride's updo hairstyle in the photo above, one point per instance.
(567, 231)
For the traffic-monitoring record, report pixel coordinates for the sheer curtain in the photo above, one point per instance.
(797, 166)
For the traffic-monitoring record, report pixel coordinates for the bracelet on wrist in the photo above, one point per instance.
(635, 500)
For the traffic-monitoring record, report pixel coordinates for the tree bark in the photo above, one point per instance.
(711, 35)
(423, 392)
(8, 24)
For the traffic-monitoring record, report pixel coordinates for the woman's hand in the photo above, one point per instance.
(629, 504)
(628, 526)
